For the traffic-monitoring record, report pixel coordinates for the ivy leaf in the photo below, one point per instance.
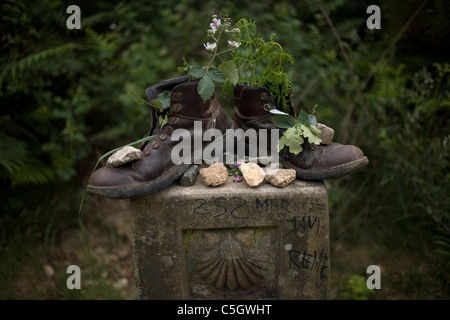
(217, 75)
(162, 100)
(206, 87)
(283, 121)
(292, 138)
(197, 72)
(230, 71)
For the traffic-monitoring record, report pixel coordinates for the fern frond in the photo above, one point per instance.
(11, 69)
(13, 153)
(98, 18)
(34, 172)
(20, 167)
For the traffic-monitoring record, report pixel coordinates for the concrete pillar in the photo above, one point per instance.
(232, 242)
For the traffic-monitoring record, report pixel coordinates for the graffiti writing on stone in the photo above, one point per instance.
(238, 207)
(302, 224)
(270, 204)
(219, 206)
(312, 261)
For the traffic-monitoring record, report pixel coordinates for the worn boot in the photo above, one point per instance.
(315, 162)
(155, 169)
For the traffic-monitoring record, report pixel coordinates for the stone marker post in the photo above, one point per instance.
(232, 242)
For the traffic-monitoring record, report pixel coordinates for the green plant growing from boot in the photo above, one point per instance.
(261, 63)
(210, 75)
(298, 131)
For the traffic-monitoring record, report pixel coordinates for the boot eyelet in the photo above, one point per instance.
(162, 137)
(177, 107)
(267, 107)
(264, 96)
(177, 96)
(155, 144)
(174, 120)
(146, 151)
(169, 129)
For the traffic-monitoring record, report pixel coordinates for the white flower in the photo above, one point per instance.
(234, 43)
(210, 46)
(215, 24)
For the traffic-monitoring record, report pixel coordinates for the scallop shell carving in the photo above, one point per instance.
(231, 267)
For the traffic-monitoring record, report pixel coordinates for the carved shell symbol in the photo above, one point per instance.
(232, 268)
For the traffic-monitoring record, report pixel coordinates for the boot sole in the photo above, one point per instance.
(329, 173)
(136, 190)
(152, 186)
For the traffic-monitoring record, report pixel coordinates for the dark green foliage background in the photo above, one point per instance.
(69, 96)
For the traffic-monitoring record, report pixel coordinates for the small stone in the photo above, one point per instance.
(252, 173)
(188, 178)
(326, 133)
(214, 175)
(121, 283)
(123, 155)
(281, 177)
(48, 270)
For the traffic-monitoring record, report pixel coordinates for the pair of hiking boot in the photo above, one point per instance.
(155, 169)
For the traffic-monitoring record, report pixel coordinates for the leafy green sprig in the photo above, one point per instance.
(210, 75)
(297, 131)
(261, 63)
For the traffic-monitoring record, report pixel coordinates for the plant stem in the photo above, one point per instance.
(214, 53)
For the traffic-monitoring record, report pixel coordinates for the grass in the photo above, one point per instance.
(34, 268)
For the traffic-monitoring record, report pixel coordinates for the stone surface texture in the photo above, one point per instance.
(253, 174)
(123, 155)
(232, 242)
(280, 177)
(214, 175)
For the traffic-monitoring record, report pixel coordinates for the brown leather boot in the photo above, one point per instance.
(155, 169)
(315, 162)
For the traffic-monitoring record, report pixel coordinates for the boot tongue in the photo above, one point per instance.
(152, 93)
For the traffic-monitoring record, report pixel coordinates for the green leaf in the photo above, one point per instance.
(314, 130)
(307, 133)
(162, 100)
(282, 143)
(205, 88)
(162, 121)
(157, 104)
(217, 75)
(230, 71)
(312, 120)
(304, 117)
(197, 72)
(292, 138)
(283, 121)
